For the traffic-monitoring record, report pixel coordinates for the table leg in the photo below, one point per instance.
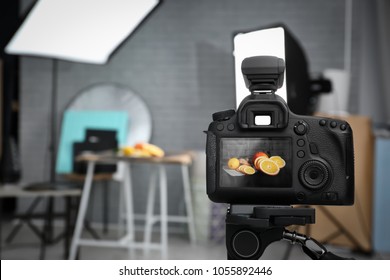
(128, 196)
(121, 209)
(163, 212)
(150, 211)
(188, 203)
(82, 210)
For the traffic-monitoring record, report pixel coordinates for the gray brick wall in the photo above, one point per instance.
(180, 61)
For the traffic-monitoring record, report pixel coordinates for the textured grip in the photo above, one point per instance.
(211, 154)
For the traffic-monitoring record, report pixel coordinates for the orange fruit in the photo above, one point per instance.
(279, 161)
(269, 167)
(233, 163)
(248, 170)
(139, 146)
(259, 154)
(257, 162)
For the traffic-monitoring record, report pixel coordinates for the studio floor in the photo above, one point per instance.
(26, 246)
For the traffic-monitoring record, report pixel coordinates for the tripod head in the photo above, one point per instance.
(250, 229)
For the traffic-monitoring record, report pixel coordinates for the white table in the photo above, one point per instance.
(182, 160)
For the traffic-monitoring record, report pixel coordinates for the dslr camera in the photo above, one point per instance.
(264, 154)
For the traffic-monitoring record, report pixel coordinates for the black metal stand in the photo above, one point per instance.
(69, 218)
(51, 184)
(46, 235)
(250, 229)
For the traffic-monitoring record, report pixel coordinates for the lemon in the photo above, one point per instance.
(128, 150)
(233, 163)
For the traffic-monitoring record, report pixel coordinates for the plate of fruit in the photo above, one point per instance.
(142, 150)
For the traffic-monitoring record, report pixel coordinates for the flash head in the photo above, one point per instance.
(263, 73)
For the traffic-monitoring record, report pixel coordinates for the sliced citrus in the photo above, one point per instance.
(279, 161)
(241, 168)
(257, 162)
(259, 154)
(269, 167)
(233, 163)
(248, 170)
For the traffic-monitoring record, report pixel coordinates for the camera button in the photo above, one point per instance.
(231, 127)
(301, 142)
(300, 128)
(301, 196)
(322, 122)
(301, 153)
(343, 126)
(329, 196)
(313, 148)
(333, 124)
(220, 126)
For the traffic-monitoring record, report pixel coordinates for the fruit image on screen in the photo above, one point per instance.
(255, 162)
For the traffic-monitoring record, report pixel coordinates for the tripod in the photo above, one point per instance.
(250, 229)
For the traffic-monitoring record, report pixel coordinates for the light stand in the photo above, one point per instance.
(51, 184)
(94, 30)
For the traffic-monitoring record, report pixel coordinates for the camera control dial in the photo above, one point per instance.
(314, 174)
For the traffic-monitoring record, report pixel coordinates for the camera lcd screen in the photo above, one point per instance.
(255, 162)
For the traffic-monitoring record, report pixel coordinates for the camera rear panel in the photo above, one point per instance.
(309, 161)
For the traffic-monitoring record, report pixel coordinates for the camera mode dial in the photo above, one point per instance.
(300, 128)
(223, 115)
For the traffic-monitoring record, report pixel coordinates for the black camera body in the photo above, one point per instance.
(265, 154)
